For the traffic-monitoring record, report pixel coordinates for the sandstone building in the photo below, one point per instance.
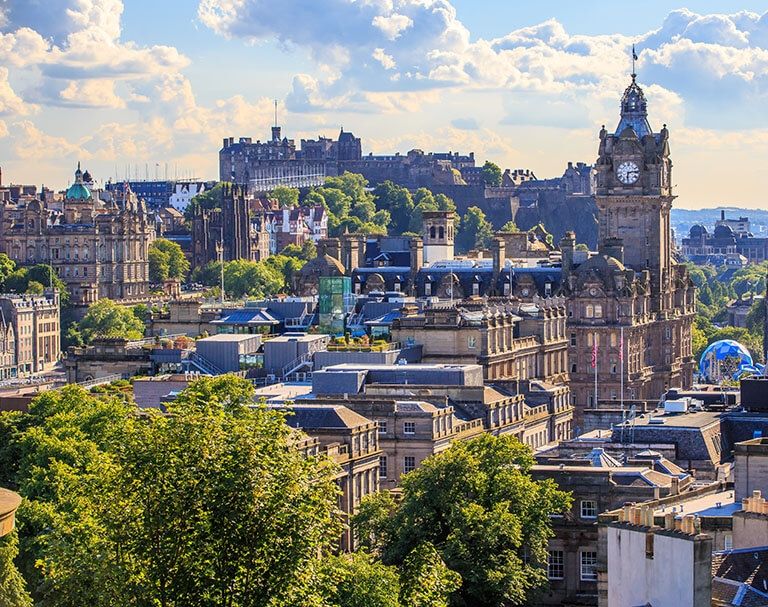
(98, 248)
(631, 306)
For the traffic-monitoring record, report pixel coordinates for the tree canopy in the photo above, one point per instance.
(491, 174)
(476, 232)
(243, 278)
(105, 318)
(211, 505)
(166, 261)
(477, 505)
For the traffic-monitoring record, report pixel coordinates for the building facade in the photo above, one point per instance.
(31, 333)
(631, 307)
(98, 248)
(238, 227)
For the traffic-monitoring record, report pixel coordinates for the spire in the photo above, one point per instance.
(634, 107)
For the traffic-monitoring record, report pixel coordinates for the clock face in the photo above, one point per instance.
(628, 172)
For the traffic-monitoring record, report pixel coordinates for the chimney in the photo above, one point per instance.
(567, 247)
(275, 133)
(499, 249)
(722, 215)
(675, 486)
(330, 246)
(614, 247)
(417, 256)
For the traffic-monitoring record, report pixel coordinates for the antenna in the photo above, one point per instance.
(275, 112)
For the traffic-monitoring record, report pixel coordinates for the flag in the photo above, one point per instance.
(634, 54)
(594, 353)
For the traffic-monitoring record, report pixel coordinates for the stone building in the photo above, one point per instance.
(511, 340)
(633, 287)
(349, 439)
(32, 330)
(598, 483)
(98, 248)
(409, 431)
(238, 227)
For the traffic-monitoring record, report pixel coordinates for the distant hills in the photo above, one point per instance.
(683, 219)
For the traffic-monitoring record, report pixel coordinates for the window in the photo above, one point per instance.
(590, 311)
(383, 466)
(598, 311)
(573, 339)
(409, 464)
(727, 542)
(472, 342)
(588, 566)
(427, 289)
(409, 427)
(588, 509)
(555, 564)
(382, 424)
(573, 368)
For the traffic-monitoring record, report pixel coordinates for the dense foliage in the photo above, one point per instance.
(166, 261)
(477, 505)
(244, 278)
(106, 318)
(491, 174)
(717, 287)
(476, 231)
(211, 505)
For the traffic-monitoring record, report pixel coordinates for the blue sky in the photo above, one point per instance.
(126, 83)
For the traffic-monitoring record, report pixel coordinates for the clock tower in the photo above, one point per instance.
(634, 193)
(631, 306)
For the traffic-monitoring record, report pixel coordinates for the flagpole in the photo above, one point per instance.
(594, 348)
(621, 357)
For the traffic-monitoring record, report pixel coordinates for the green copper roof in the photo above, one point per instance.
(78, 191)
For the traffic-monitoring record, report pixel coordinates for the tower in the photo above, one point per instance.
(634, 193)
(438, 236)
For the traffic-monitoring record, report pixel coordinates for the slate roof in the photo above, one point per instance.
(740, 577)
(309, 417)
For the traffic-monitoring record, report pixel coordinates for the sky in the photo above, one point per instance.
(151, 87)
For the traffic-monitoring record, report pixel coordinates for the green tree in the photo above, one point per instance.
(477, 504)
(286, 266)
(360, 581)
(510, 226)
(491, 174)
(159, 265)
(42, 274)
(398, 201)
(7, 267)
(211, 505)
(287, 197)
(166, 260)
(35, 288)
(425, 580)
(105, 318)
(13, 591)
(476, 231)
(252, 278)
(211, 199)
(305, 252)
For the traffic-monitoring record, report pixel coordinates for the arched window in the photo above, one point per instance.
(432, 231)
(441, 232)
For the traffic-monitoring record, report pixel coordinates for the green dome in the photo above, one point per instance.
(78, 191)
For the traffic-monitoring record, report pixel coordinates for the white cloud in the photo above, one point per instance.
(387, 61)
(392, 25)
(10, 102)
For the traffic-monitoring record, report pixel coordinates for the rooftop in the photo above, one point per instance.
(697, 420)
(317, 417)
(228, 337)
(279, 393)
